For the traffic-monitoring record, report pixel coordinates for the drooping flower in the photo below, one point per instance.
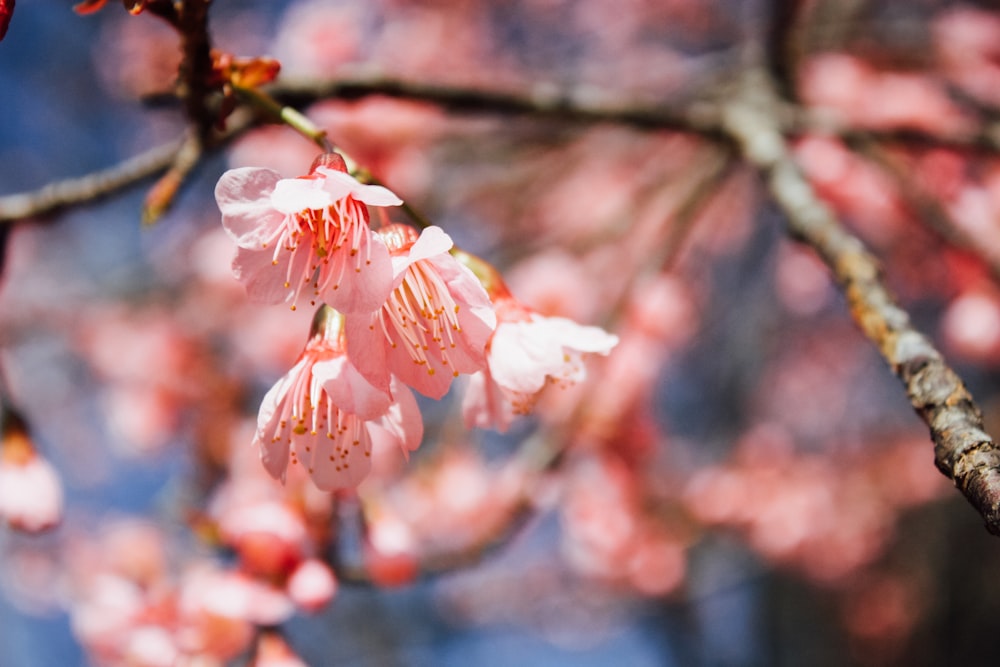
(527, 352)
(435, 323)
(31, 495)
(324, 415)
(307, 237)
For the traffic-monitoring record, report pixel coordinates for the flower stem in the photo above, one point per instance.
(365, 176)
(288, 115)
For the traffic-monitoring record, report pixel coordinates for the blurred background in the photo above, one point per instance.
(741, 482)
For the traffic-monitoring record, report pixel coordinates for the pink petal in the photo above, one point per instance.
(577, 336)
(336, 183)
(339, 185)
(403, 425)
(273, 454)
(265, 281)
(339, 472)
(405, 417)
(366, 290)
(433, 385)
(519, 359)
(485, 405)
(465, 287)
(433, 241)
(349, 390)
(292, 195)
(367, 349)
(376, 195)
(244, 197)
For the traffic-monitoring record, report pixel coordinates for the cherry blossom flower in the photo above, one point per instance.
(269, 537)
(218, 609)
(324, 415)
(31, 497)
(307, 236)
(433, 326)
(527, 352)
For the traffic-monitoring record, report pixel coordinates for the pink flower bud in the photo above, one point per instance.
(31, 496)
(312, 585)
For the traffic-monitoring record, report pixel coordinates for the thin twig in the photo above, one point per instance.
(927, 208)
(963, 450)
(161, 197)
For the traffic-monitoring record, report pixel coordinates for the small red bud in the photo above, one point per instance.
(89, 6)
(330, 161)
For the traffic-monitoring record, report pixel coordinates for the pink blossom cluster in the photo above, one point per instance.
(31, 493)
(398, 309)
(828, 519)
(133, 604)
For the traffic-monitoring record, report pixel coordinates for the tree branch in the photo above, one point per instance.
(701, 117)
(91, 187)
(963, 450)
(543, 102)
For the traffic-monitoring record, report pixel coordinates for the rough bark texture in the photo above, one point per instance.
(963, 450)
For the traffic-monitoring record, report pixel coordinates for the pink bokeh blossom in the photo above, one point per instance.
(31, 496)
(274, 651)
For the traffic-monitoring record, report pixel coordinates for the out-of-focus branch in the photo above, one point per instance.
(783, 47)
(797, 120)
(91, 187)
(963, 450)
(700, 117)
(181, 156)
(196, 85)
(549, 102)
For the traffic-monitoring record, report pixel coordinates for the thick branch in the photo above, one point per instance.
(543, 102)
(88, 188)
(963, 450)
(701, 117)
(782, 43)
(195, 76)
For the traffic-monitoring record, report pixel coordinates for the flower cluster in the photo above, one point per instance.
(397, 309)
